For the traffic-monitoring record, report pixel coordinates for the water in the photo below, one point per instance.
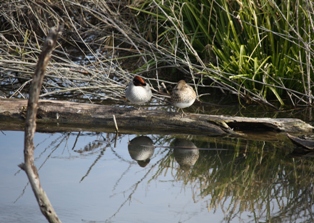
(91, 177)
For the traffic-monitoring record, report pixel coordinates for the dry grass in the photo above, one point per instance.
(102, 42)
(91, 62)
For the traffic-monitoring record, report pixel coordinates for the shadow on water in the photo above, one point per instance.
(229, 178)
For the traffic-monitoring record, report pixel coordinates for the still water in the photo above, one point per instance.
(98, 177)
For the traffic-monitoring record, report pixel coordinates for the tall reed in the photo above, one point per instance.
(259, 50)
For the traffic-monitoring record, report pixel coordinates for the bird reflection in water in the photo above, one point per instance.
(141, 149)
(185, 153)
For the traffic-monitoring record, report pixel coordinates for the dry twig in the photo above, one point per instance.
(30, 127)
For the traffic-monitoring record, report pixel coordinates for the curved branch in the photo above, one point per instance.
(30, 127)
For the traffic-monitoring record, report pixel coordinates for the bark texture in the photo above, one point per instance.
(30, 127)
(56, 116)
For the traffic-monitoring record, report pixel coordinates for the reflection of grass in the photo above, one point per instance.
(251, 176)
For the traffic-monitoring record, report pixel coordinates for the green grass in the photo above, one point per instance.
(257, 49)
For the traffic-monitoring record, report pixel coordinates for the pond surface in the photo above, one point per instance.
(95, 177)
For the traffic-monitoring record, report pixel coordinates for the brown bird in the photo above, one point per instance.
(185, 153)
(183, 95)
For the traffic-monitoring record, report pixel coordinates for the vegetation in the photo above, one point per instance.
(257, 50)
(248, 176)
(256, 180)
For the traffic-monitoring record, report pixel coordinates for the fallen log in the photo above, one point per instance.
(304, 142)
(56, 116)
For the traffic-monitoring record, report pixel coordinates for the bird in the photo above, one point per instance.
(185, 153)
(138, 91)
(141, 149)
(183, 95)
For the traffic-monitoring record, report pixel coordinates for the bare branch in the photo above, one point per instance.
(30, 127)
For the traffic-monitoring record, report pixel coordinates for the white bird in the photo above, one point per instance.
(138, 91)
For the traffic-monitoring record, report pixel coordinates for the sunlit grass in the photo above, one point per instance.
(258, 50)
